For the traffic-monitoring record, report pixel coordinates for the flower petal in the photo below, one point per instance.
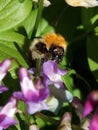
(91, 101)
(10, 108)
(61, 94)
(65, 122)
(33, 127)
(46, 2)
(4, 66)
(3, 89)
(53, 73)
(82, 3)
(27, 86)
(88, 107)
(94, 122)
(32, 91)
(42, 88)
(52, 67)
(35, 107)
(18, 95)
(7, 114)
(8, 121)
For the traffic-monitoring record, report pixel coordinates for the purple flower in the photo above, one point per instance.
(90, 105)
(53, 78)
(7, 114)
(94, 121)
(91, 102)
(4, 66)
(53, 73)
(33, 93)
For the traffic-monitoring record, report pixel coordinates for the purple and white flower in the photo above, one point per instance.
(33, 93)
(53, 73)
(4, 66)
(7, 114)
(53, 78)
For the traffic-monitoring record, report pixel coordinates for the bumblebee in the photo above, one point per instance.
(49, 47)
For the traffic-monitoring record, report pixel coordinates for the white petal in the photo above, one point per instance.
(69, 96)
(52, 103)
(46, 3)
(8, 110)
(33, 127)
(27, 85)
(82, 3)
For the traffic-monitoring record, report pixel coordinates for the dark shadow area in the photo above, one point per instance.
(77, 58)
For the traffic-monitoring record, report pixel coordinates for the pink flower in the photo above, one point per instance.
(94, 121)
(91, 102)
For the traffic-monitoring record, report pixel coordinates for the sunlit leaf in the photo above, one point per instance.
(12, 36)
(44, 28)
(29, 22)
(8, 49)
(13, 13)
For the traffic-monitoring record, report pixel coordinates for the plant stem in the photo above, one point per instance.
(83, 79)
(39, 14)
(47, 118)
(38, 67)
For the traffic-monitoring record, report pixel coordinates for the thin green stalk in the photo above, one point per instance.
(38, 67)
(39, 14)
(47, 118)
(27, 116)
(83, 79)
(80, 37)
(86, 33)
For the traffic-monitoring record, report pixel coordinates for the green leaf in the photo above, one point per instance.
(77, 93)
(13, 128)
(13, 13)
(12, 36)
(68, 80)
(41, 123)
(30, 22)
(22, 123)
(89, 16)
(8, 50)
(4, 3)
(44, 28)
